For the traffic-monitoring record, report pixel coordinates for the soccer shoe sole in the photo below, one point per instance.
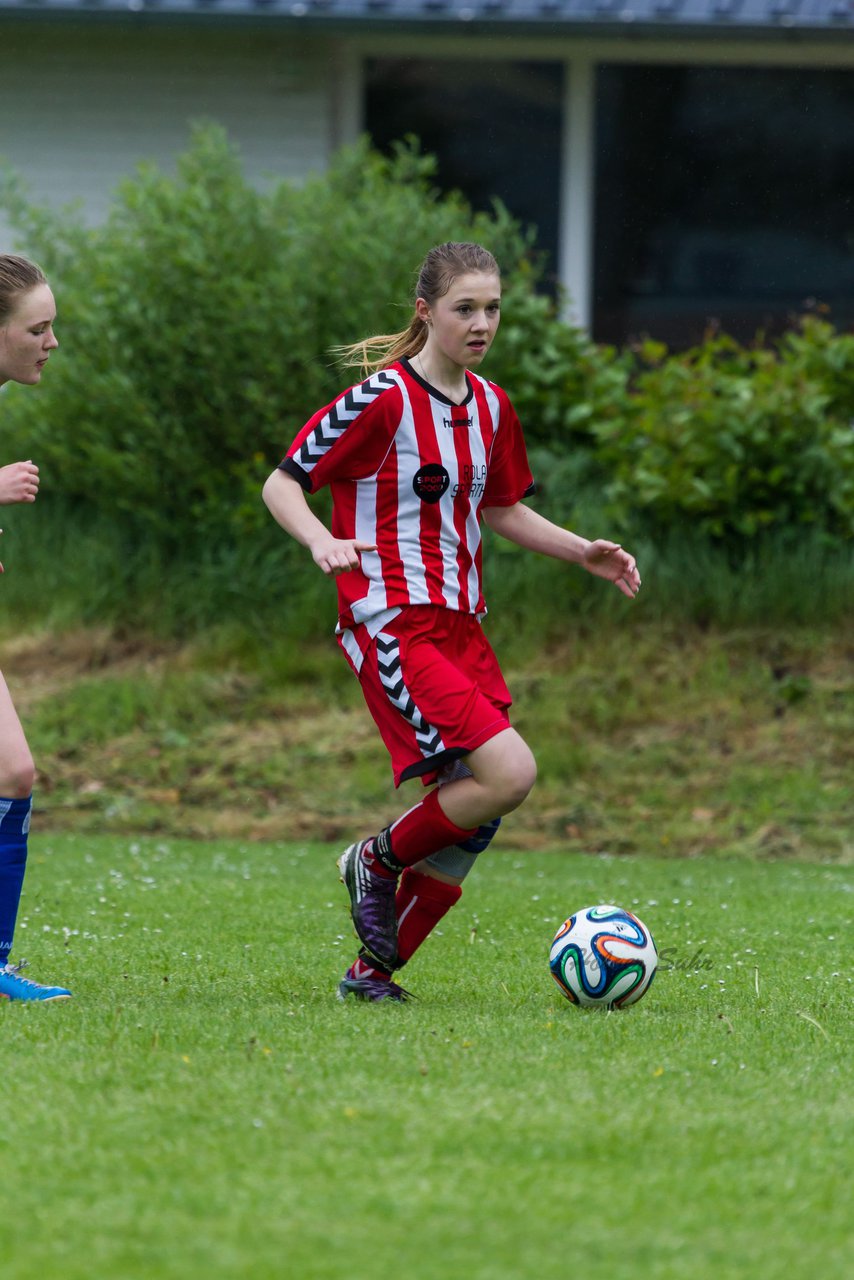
(57, 999)
(349, 987)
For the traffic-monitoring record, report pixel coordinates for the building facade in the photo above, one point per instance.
(684, 161)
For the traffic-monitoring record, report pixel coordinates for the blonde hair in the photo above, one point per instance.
(17, 276)
(437, 273)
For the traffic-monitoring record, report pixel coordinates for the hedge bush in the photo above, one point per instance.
(197, 322)
(733, 441)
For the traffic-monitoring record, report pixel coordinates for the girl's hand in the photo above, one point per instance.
(19, 482)
(609, 560)
(338, 555)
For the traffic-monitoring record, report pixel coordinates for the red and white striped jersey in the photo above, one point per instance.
(409, 473)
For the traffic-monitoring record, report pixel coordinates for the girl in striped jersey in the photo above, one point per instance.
(417, 456)
(27, 314)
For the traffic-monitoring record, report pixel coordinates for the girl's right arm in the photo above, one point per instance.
(286, 502)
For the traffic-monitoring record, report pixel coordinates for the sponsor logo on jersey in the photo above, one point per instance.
(463, 421)
(430, 482)
(472, 480)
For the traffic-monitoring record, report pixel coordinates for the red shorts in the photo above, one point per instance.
(434, 687)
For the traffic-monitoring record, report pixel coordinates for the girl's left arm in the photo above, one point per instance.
(529, 529)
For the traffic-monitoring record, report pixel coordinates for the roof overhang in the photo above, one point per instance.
(649, 19)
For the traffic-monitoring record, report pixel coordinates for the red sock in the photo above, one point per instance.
(363, 969)
(422, 901)
(415, 835)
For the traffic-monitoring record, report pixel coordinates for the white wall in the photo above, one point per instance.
(81, 106)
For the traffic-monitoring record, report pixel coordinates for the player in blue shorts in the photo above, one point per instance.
(417, 456)
(27, 315)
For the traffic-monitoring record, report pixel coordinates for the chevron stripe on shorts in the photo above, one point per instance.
(345, 409)
(428, 738)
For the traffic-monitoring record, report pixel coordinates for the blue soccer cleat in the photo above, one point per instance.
(15, 987)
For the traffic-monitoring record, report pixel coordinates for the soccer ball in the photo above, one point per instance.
(604, 957)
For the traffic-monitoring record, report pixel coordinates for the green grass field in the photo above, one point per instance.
(206, 1108)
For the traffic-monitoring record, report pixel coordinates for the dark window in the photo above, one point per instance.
(724, 195)
(494, 127)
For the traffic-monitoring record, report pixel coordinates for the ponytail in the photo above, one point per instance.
(384, 349)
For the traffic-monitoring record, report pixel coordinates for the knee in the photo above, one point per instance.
(519, 777)
(504, 771)
(17, 777)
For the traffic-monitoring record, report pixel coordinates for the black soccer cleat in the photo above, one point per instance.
(372, 906)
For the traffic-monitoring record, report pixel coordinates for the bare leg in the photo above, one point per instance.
(16, 784)
(17, 770)
(503, 772)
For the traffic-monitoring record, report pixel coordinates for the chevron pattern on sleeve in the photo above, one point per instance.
(428, 738)
(339, 417)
